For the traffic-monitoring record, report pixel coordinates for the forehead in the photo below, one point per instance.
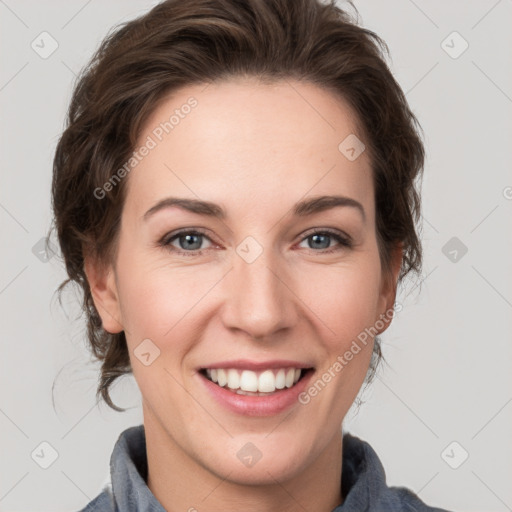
(245, 143)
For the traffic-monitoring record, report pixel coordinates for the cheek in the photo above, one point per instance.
(159, 300)
(345, 298)
(160, 304)
(165, 303)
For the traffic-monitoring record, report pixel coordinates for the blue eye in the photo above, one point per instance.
(190, 242)
(318, 239)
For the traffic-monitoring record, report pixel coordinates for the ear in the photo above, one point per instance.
(389, 286)
(103, 287)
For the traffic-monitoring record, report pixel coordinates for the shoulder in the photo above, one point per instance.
(364, 484)
(104, 502)
(402, 499)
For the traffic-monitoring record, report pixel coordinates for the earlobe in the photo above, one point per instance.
(103, 287)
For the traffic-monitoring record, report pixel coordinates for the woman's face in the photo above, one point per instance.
(254, 289)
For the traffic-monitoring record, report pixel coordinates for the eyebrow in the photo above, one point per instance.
(303, 208)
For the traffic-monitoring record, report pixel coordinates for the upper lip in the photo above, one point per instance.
(245, 364)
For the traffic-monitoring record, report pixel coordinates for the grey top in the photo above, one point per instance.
(363, 481)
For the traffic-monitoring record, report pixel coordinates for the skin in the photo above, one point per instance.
(255, 149)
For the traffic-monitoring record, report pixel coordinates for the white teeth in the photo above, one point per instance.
(280, 379)
(221, 377)
(290, 375)
(233, 379)
(267, 382)
(248, 381)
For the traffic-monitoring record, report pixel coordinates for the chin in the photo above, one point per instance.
(246, 464)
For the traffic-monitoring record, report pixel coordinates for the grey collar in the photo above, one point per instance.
(363, 479)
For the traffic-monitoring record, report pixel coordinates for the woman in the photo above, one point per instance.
(235, 194)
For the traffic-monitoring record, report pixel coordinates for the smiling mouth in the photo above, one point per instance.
(250, 383)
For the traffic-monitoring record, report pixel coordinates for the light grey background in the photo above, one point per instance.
(449, 350)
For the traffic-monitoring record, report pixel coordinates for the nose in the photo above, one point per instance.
(259, 300)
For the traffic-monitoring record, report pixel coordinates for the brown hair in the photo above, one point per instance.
(199, 41)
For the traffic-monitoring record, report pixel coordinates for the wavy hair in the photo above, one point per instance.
(179, 43)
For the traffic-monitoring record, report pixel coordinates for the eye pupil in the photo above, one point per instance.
(317, 238)
(190, 241)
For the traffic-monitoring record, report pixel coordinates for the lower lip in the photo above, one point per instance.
(257, 405)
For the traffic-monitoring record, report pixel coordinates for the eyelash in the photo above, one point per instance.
(165, 242)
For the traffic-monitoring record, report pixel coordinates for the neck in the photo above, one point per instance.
(180, 482)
